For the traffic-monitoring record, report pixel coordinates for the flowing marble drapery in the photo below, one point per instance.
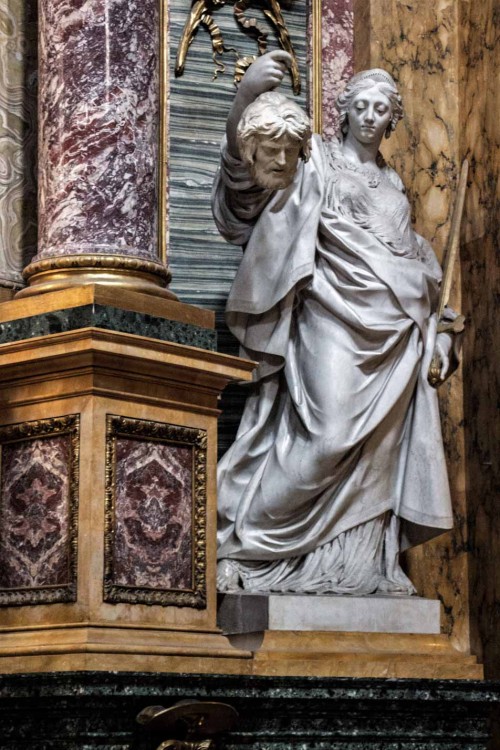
(334, 298)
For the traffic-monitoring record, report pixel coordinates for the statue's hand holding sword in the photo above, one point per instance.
(455, 325)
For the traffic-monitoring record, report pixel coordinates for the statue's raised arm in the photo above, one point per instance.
(265, 74)
(338, 463)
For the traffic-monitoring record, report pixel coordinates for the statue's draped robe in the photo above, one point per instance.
(334, 299)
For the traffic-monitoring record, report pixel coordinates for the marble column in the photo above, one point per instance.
(445, 58)
(337, 41)
(99, 111)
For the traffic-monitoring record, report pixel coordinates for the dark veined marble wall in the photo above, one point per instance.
(419, 48)
(480, 138)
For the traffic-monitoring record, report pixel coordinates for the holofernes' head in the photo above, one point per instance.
(362, 82)
(273, 133)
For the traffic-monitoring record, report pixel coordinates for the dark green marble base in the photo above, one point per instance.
(98, 709)
(111, 319)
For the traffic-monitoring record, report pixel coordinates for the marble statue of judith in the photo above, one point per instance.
(338, 464)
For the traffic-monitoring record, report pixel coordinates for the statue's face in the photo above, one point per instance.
(369, 115)
(275, 162)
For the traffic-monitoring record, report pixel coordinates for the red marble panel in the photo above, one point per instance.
(337, 32)
(35, 513)
(153, 516)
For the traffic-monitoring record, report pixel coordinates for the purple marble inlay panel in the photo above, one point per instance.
(99, 117)
(35, 513)
(153, 515)
(337, 58)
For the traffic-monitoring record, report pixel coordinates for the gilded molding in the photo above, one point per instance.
(45, 428)
(124, 427)
(112, 262)
(129, 273)
(163, 137)
(317, 68)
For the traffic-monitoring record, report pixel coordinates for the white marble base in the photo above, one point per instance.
(250, 613)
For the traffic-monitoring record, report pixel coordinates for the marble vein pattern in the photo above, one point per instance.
(99, 116)
(442, 56)
(153, 518)
(203, 265)
(337, 40)
(18, 126)
(35, 513)
(111, 319)
(276, 713)
(479, 74)
(418, 48)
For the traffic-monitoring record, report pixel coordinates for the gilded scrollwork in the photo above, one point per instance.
(202, 12)
(155, 513)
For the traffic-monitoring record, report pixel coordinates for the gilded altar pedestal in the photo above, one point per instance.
(108, 437)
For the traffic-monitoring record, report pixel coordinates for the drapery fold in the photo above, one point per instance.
(342, 427)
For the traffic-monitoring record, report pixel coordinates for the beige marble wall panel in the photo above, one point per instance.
(17, 138)
(480, 140)
(418, 44)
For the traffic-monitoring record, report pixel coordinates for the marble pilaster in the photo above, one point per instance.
(18, 122)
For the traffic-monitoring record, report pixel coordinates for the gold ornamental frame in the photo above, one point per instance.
(161, 432)
(163, 135)
(25, 432)
(316, 113)
(317, 68)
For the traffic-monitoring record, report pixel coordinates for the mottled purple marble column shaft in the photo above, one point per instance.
(99, 117)
(337, 32)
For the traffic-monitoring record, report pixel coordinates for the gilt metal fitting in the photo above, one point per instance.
(191, 724)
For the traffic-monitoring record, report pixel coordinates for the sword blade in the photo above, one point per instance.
(453, 244)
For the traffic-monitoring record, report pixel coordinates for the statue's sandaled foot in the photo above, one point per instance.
(228, 577)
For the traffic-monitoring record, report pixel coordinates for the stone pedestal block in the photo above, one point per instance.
(108, 446)
(249, 612)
